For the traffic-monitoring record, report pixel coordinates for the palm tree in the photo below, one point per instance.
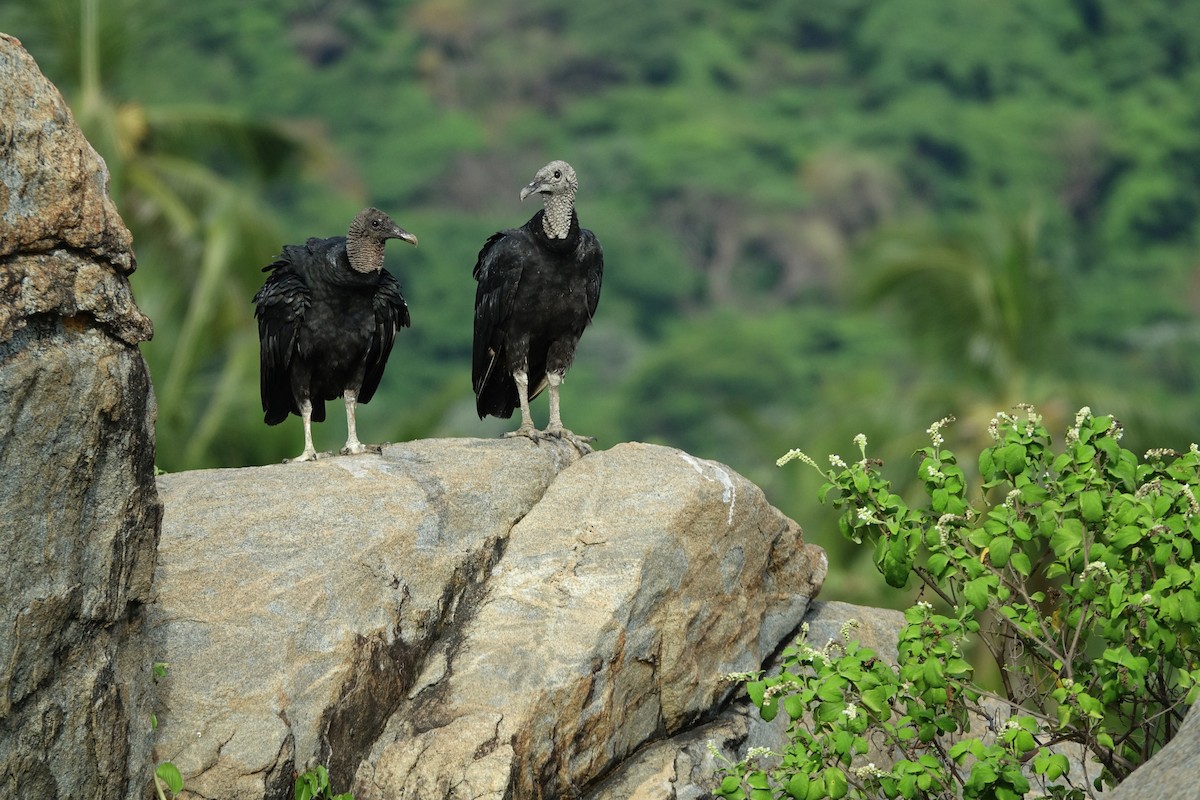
(192, 222)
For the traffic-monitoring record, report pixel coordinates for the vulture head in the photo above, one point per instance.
(556, 183)
(368, 233)
(555, 179)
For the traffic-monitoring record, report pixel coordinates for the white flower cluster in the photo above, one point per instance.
(792, 455)
(1098, 567)
(935, 430)
(942, 526)
(848, 626)
(741, 677)
(868, 771)
(1193, 506)
(1080, 417)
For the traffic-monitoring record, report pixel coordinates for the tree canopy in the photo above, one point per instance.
(817, 217)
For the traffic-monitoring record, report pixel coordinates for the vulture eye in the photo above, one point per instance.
(374, 223)
(558, 173)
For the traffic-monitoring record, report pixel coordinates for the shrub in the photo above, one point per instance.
(1071, 572)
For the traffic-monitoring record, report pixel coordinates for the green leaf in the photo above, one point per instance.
(1189, 606)
(835, 783)
(1091, 506)
(976, 592)
(1014, 458)
(169, 774)
(729, 785)
(987, 464)
(1067, 537)
(1127, 537)
(797, 786)
(897, 562)
(793, 706)
(1020, 562)
(999, 550)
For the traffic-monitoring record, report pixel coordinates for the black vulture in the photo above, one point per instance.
(538, 289)
(327, 318)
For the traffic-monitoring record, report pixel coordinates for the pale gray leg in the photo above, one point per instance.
(353, 445)
(555, 427)
(526, 429)
(310, 453)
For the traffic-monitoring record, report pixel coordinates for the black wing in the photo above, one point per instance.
(391, 314)
(591, 256)
(498, 273)
(279, 306)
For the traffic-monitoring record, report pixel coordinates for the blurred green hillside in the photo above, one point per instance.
(819, 218)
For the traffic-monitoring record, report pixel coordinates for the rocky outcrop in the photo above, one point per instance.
(460, 618)
(77, 456)
(1171, 773)
(684, 767)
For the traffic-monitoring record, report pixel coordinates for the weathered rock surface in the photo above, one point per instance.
(460, 618)
(77, 459)
(1173, 773)
(683, 767)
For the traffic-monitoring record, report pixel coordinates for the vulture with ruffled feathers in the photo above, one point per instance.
(327, 319)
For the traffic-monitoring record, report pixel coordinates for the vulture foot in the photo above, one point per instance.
(307, 455)
(528, 431)
(580, 443)
(359, 447)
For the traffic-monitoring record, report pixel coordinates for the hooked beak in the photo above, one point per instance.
(403, 235)
(532, 188)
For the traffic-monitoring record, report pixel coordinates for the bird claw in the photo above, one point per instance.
(307, 455)
(359, 448)
(528, 431)
(580, 443)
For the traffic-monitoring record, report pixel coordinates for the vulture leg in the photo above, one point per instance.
(353, 445)
(555, 427)
(310, 453)
(526, 429)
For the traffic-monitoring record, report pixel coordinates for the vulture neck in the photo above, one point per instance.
(556, 222)
(365, 253)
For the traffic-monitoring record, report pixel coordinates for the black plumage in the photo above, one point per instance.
(538, 287)
(327, 318)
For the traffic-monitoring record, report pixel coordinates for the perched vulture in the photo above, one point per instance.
(538, 289)
(327, 318)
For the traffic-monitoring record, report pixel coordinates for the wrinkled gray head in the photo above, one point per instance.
(555, 179)
(557, 184)
(371, 223)
(368, 233)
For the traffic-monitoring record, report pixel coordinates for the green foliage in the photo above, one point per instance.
(746, 165)
(1074, 570)
(313, 784)
(167, 779)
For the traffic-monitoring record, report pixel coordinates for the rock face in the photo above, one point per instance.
(1171, 773)
(682, 767)
(77, 456)
(460, 618)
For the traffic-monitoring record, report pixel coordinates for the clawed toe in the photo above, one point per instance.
(528, 431)
(580, 443)
(354, 450)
